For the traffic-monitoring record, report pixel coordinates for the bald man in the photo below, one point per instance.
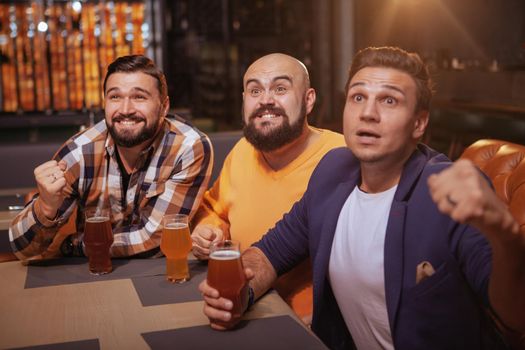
(268, 170)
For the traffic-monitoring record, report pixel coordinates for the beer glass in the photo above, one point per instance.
(98, 238)
(226, 274)
(175, 243)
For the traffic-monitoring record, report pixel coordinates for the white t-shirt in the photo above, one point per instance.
(356, 269)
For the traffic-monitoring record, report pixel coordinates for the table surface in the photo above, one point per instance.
(109, 310)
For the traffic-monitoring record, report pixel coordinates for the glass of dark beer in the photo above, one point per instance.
(98, 238)
(226, 274)
(175, 243)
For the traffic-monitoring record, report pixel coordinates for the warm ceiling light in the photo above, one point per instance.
(42, 27)
(77, 6)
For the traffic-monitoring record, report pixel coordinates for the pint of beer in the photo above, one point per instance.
(98, 238)
(226, 274)
(175, 243)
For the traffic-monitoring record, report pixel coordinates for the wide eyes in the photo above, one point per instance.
(258, 91)
(255, 92)
(388, 100)
(280, 90)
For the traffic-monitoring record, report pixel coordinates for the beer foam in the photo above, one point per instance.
(176, 225)
(225, 255)
(96, 219)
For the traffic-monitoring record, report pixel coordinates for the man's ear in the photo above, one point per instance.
(166, 106)
(310, 97)
(420, 124)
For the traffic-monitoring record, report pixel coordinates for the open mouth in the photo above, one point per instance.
(268, 116)
(367, 133)
(128, 121)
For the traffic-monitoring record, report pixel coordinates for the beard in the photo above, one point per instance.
(128, 139)
(277, 137)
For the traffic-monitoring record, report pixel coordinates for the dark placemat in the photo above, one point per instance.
(75, 270)
(273, 333)
(156, 290)
(91, 344)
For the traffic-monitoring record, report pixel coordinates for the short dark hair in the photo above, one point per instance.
(396, 58)
(138, 63)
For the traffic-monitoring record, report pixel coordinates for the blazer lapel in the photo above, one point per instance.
(394, 240)
(393, 261)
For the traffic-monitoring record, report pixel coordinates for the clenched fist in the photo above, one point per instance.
(461, 192)
(51, 183)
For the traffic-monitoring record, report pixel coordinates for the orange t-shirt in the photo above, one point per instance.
(249, 197)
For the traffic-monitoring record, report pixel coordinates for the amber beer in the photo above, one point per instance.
(226, 274)
(98, 238)
(176, 244)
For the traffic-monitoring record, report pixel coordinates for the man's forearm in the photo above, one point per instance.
(265, 275)
(507, 281)
(26, 245)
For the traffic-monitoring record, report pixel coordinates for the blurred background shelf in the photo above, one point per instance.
(53, 55)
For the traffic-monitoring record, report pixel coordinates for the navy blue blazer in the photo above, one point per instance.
(445, 310)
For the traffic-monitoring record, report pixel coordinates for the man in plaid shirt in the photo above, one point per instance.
(139, 162)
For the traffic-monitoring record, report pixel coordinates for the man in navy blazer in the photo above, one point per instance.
(409, 250)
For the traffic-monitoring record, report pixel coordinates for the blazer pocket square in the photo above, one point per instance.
(424, 270)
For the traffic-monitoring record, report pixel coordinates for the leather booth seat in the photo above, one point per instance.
(504, 163)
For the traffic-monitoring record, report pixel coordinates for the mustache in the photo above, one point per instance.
(268, 110)
(132, 117)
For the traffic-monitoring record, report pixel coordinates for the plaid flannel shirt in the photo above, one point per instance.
(170, 177)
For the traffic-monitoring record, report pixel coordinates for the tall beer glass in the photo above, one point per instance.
(98, 238)
(226, 274)
(175, 243)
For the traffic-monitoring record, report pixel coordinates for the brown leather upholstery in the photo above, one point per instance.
(504, 163)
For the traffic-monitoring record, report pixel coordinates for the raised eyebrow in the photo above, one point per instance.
(283, 77)
(280, 77)
(395, 88)
(387, 86)
(249, 81)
